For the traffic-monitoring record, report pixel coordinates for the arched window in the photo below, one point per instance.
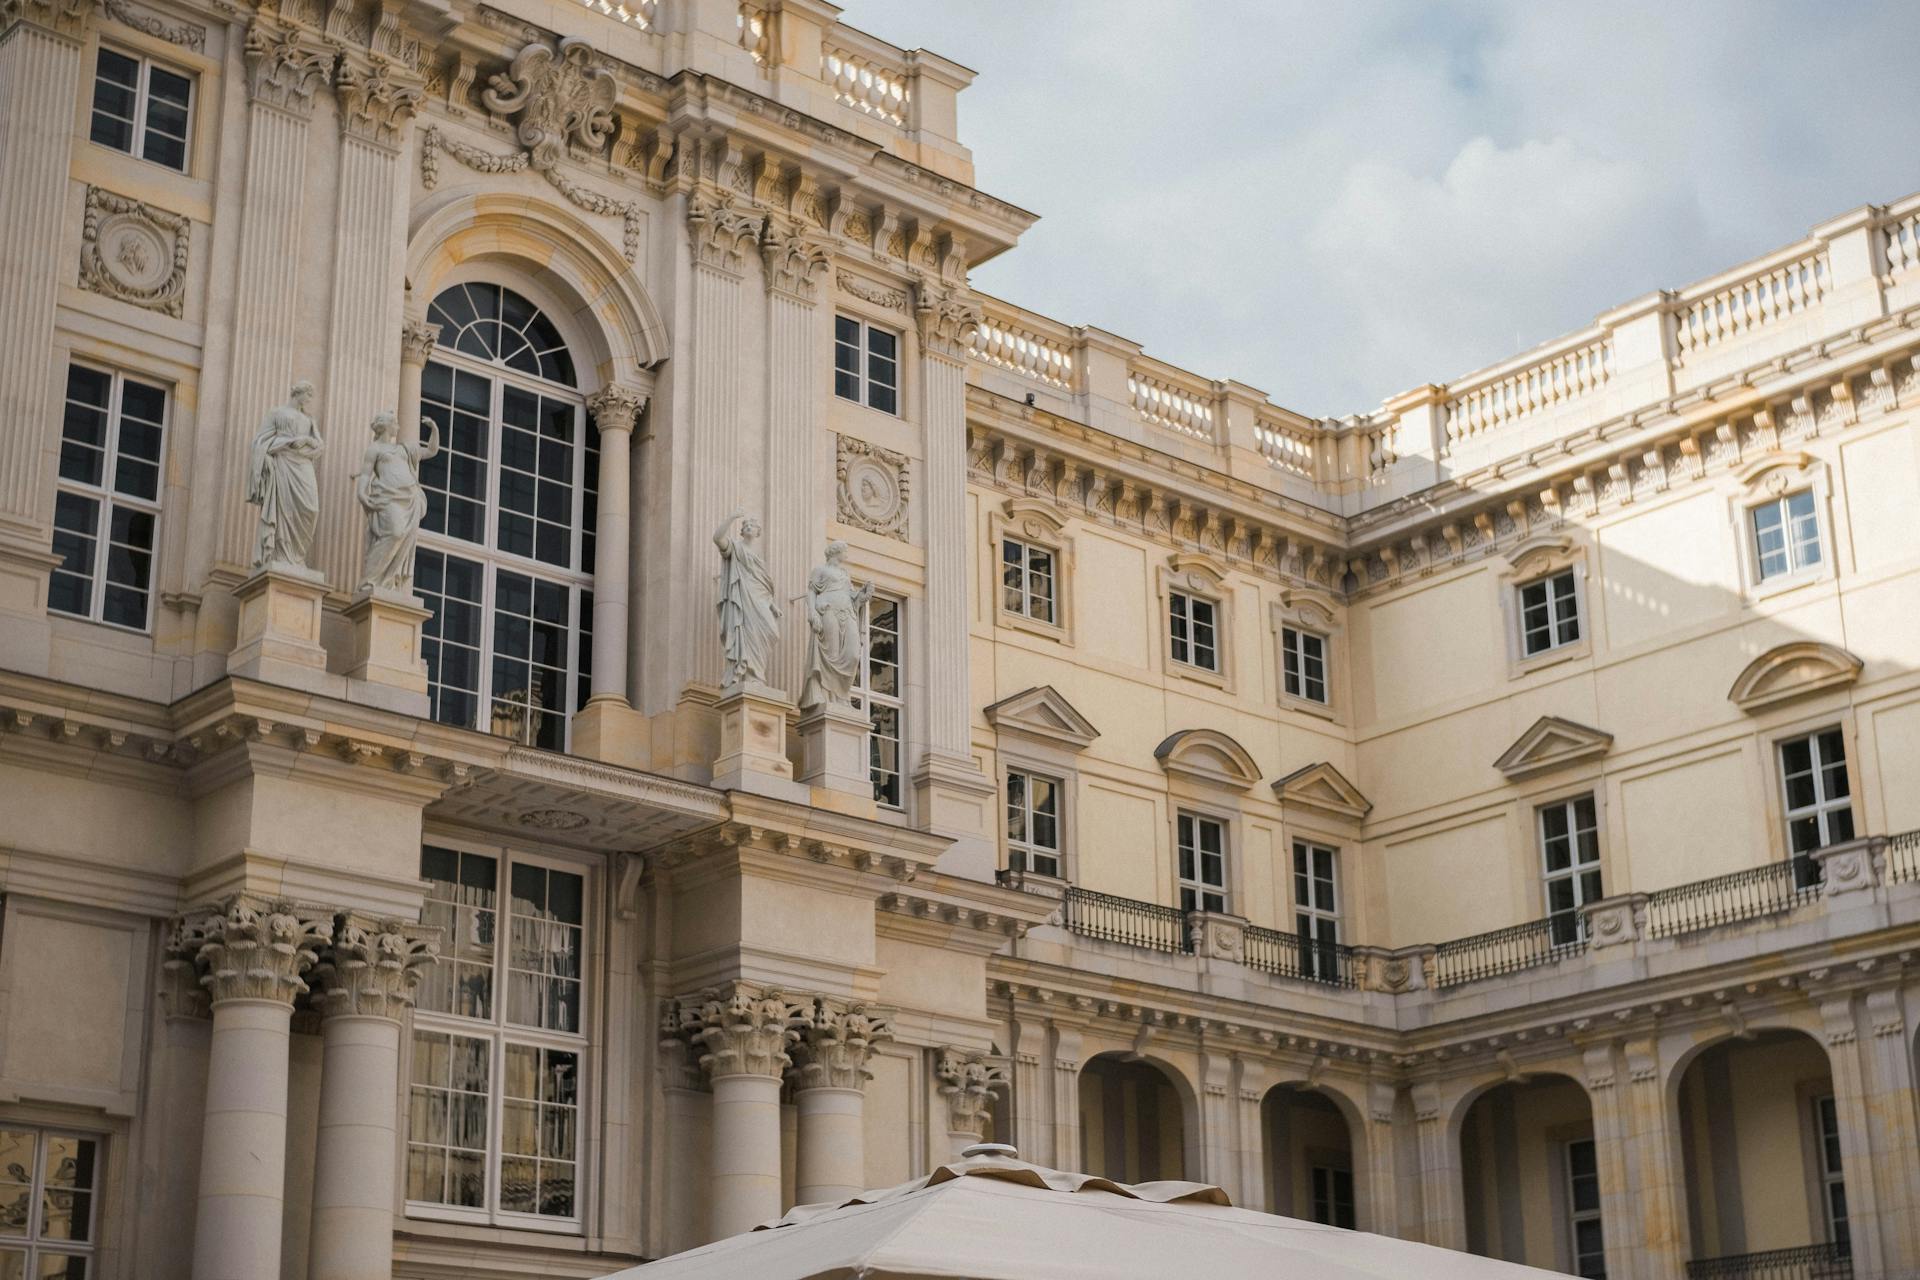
(506, 549)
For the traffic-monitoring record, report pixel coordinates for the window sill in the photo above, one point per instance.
(1307, 706)
(1202, 675)
(1780, 584)
(428, 1220)
(1581, 648)
(1054, 631)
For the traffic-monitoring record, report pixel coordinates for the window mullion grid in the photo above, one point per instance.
(143, 77)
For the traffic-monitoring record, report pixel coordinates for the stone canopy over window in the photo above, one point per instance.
(1792, 671)
(1208, 756)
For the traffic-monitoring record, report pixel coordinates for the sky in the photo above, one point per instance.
(1339, 201)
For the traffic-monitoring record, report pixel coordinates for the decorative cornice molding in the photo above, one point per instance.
(1793, 670)
(1549, 743)
(135, 253)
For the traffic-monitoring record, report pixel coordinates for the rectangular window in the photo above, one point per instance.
(1333, 1196)
(1303, 664)
(1192, 623)
(106, 512)
(1027, 580)
(1570, 856)
(1203, 863)
(866, 364)
(1316, 910)
(1549, 613)
(1786, 534)
(1583, 1210)
(1819, 801)
(1033, 823)
(493, 1116)
(1833, 1184)
(880, 694)
(141, 108)
(49, 1204)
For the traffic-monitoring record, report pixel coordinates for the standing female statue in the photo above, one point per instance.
(834, 648)
(281, 482)
(748, 614)
(388, 488)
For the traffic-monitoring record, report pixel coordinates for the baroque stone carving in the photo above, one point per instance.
(720, 230)
(134, 253)
(949, 319)
(433, 142)
(615, 407)
(836, 648)
(561, 95)
(282, 70)
(553, 819)
(417, 340)
(187, 35)
(374, 966)
(794, 261)
(833, 1050)
(282, 483)
(743, 1030)
(749, 615)
(68, 17)
(387, 487)
(249, 948)
(868, 291)
(375, 103)
(873, 487)
(967, 1081)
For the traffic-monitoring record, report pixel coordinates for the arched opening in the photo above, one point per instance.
(1760, 1138)
(1132, 1126)
(1309, 1147)
(1531, 1177)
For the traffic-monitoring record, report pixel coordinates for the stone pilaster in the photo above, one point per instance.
(1380, 1213)
(967, 1081)
(1443, 1206)
(743, 1034)
(830, 1078)
(1619, 1205)
(1840, 1028)
(688, 1133)
(793, 263)
(1893, 1137)
(1649, 1131)
(1065, 1129)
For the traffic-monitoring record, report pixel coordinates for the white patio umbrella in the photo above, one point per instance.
(990, 1216)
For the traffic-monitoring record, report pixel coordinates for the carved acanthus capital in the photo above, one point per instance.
(376, 101)
(679, 1056)
(249, 948)
(835, 1047)
(562, 95)
(66, 17)
(282, 69)
(967, 1081)
(417, 340)
(948, 318)
(721, 232)
(616, 407)
(373, 967)
(795, 262)
(743, 1030)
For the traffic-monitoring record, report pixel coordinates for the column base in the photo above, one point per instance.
(954, 799)
(607, 729)
(278, 638)
(26, 636)
(385, 667)
(833, 758)
(753, 744)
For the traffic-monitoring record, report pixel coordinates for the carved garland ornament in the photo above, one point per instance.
(186, 35)
(873, 487)
(868, 291)
(134, 253)
(433, 142)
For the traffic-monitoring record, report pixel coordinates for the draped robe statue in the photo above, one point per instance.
(835, 645)
(388, 489)
(748, 614)
(282, 483)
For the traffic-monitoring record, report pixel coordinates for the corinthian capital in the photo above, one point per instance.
(721, 232)
(967, 1081)
(948, 317)
(376, 102)
(417, 340)
(282, 70)
(67, 17)
(249, 948)
(794, 260)
(743, 1030)
(374, 965)
(834, 1048)
(616, 407)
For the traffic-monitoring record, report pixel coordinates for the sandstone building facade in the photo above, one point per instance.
(1486, 820)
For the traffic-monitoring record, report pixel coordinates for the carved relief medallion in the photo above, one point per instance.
(873, 488)
(562, 97)
(134, 252)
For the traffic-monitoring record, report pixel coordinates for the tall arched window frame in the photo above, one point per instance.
(506, 548)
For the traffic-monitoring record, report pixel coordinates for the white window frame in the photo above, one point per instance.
(1175, 596)
(1027, 848)
(1296, 681)
(1541, 560)
(1309, 612)
(1577, 869)
(1560, 610)
(866, 699)
(106, 497)
(1831, 1175)
(1198, 885)
(1773, 480)
(1578, 1217)
(498, 1032)
(1023, 605)
(1792, 548)
(1316, 921)
(31, 1245)
(1824, 807)
(136, 148)
(863, 348)
(1036, 527)
(1332, 1201)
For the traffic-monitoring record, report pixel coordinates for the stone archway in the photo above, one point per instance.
(1133, 1120)
(1315, 1162)
(1530, 1175)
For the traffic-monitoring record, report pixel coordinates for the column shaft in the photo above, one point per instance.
(1380, 1208)
(832, 1145)
(354, 1156)
(1443, 1201)
(1650, 1131)
(1894, 1138)
(1850, 1104)
(689, 1167)
(613, 535)
(746, 1152)
(243, 1143)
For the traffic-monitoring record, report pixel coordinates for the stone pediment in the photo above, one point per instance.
(1323, 788)
(1040, 712)
(1209, 756)
(1792, 671)
(1550, 743)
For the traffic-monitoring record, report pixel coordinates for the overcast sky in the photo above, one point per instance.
(1337, 201)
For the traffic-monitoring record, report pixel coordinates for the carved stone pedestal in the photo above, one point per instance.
(753, 743)
(25, 635)
(834, 758)
(279, 630)
(385, 663)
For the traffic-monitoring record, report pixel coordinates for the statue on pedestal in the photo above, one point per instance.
(835, 643)
(388, 489)
(282, 483)
(748, 614)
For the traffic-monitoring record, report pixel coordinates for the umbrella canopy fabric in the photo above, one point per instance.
(994, 1218)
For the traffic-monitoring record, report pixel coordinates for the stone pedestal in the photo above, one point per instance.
(609, 730)
(834, 758)
(26, 637)
(954, 799)
(753, 744)
(385, 657)
(278, 637)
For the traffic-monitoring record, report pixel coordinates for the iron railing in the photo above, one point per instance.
(1903, 857)
(1138, 924)
(1509, 950)
(1748, 894)
(1288, 955)
(1803, 1262)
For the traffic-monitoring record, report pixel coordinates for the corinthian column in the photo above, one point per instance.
(367, 981)
(794, 263)
(417, 340)
(615, 408)
(743, 1034)
(967, 1081)
(830, 1091)
(250, 954)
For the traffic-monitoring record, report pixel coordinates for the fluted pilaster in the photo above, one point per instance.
(794, 263)
(948, 321)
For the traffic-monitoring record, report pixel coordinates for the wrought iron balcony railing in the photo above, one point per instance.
(1139, 924)
(1289, 955)
(1509, 950)
(1747, 894)
(1803, 1262)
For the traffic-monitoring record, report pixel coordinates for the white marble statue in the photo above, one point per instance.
(282, 483)
(748, 614)
(388, 489)
(835, 643)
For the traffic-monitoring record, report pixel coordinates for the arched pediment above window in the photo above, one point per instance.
(1208, 756)
(1792, 671)
(1537, 555)
(1774, 472)
(1192, 571)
